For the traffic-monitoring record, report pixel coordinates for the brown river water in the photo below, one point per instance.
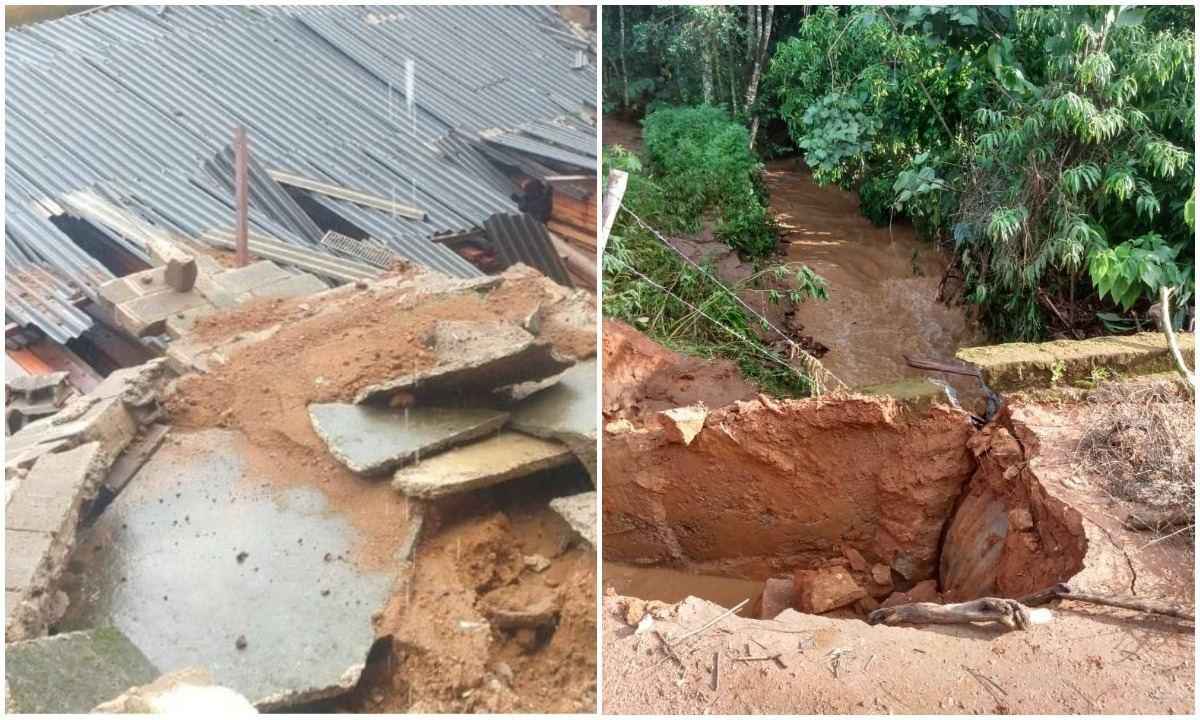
(882, 282)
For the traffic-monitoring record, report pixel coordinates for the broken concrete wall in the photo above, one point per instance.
(768, 487)
(1015, 366)
(53, 469)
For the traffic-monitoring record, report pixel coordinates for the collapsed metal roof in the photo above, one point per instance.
(136, 103)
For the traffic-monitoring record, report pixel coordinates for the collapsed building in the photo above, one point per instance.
(273, 471)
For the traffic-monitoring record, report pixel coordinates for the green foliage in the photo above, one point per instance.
(633, 255)
(1051, 148)
(703, 163)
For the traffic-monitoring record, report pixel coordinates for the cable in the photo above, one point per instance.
(811, 363)
(811, 379)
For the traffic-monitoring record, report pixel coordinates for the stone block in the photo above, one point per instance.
(683, 424)
(825, 589)
(778, 594)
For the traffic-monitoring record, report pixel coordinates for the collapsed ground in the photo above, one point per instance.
(832, 506)
(473, 598)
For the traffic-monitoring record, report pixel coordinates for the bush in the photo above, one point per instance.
(702, 160)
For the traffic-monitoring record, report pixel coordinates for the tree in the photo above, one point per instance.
(762, 42)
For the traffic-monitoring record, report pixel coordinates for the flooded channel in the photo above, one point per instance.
(882, 282)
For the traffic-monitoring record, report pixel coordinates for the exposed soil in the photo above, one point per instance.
(1088, 660)
(618, 131)
(642, 377)
(325, 348)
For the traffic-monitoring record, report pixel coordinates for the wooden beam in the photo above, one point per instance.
(613, 194)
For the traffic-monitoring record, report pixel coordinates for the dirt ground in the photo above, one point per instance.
(1089, 659)
(328, 348)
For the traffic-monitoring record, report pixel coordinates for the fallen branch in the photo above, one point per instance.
(710, 623)
(1127, 602)
(1010, 613)
(1016, 614)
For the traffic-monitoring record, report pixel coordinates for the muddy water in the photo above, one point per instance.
(882, 282)
(672, 586)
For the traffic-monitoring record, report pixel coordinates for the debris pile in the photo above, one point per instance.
(475, 396)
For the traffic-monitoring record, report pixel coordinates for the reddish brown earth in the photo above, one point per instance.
(768, 487)
(642, 377)
(1089, 659)
(325, 349)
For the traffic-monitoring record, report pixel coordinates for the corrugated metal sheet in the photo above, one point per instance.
(518, 237)
(131, 102)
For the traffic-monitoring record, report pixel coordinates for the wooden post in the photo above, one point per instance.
(240, 152)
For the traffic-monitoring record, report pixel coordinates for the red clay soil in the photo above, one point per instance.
(1008, 537)
(325, 349)
(1089, 659)
(642, 377)
(768, 487)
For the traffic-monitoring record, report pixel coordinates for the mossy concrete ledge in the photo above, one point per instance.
(1019, 366)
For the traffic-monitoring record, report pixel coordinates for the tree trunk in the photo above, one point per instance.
(624, 67)
(706, 77)
(760, 57)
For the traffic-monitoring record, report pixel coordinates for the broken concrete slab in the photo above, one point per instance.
(567, 412)
(72, 672)
(683, 424)
(474, 358)
(506, 456)
(825, 589)
(580, 513)
(197, 504)
(371, 440)
(245, 279)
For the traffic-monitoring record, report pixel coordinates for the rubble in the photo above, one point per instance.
(373, 441)
(32, 397)
(190, 690)
(580, 513)
(778, 594)
(492, 461)
(566, 412)
(924, 591)
(471, 357)
(682, 425)
(72, 672)
(824, 589)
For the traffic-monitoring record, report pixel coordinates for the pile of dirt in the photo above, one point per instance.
(327, 347)
(642, 377)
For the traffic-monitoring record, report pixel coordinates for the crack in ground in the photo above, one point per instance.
(1118, 546)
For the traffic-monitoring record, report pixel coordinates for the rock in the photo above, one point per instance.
(580, 513)
(825, 589)
(618, 427)
(537, 563)
(864, 606)
(505, 672)
(857, 562)
(778, 595)
(881, 574)
(683, 424)
(190, 691)
(924, 591)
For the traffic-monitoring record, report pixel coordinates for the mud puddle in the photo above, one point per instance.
(882, 282)
(672, 586)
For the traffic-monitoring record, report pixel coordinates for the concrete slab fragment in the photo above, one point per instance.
(136, 455)
(474, 358)
(498, 459)
(49, 497)
(72, 672)
(23, 553)
(371, 440)
(580, 513)
(166, 574)
(291, 286)
(566, 412)
(253, 276)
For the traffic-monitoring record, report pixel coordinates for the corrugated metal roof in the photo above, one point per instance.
(519, 237)
(132, 101)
